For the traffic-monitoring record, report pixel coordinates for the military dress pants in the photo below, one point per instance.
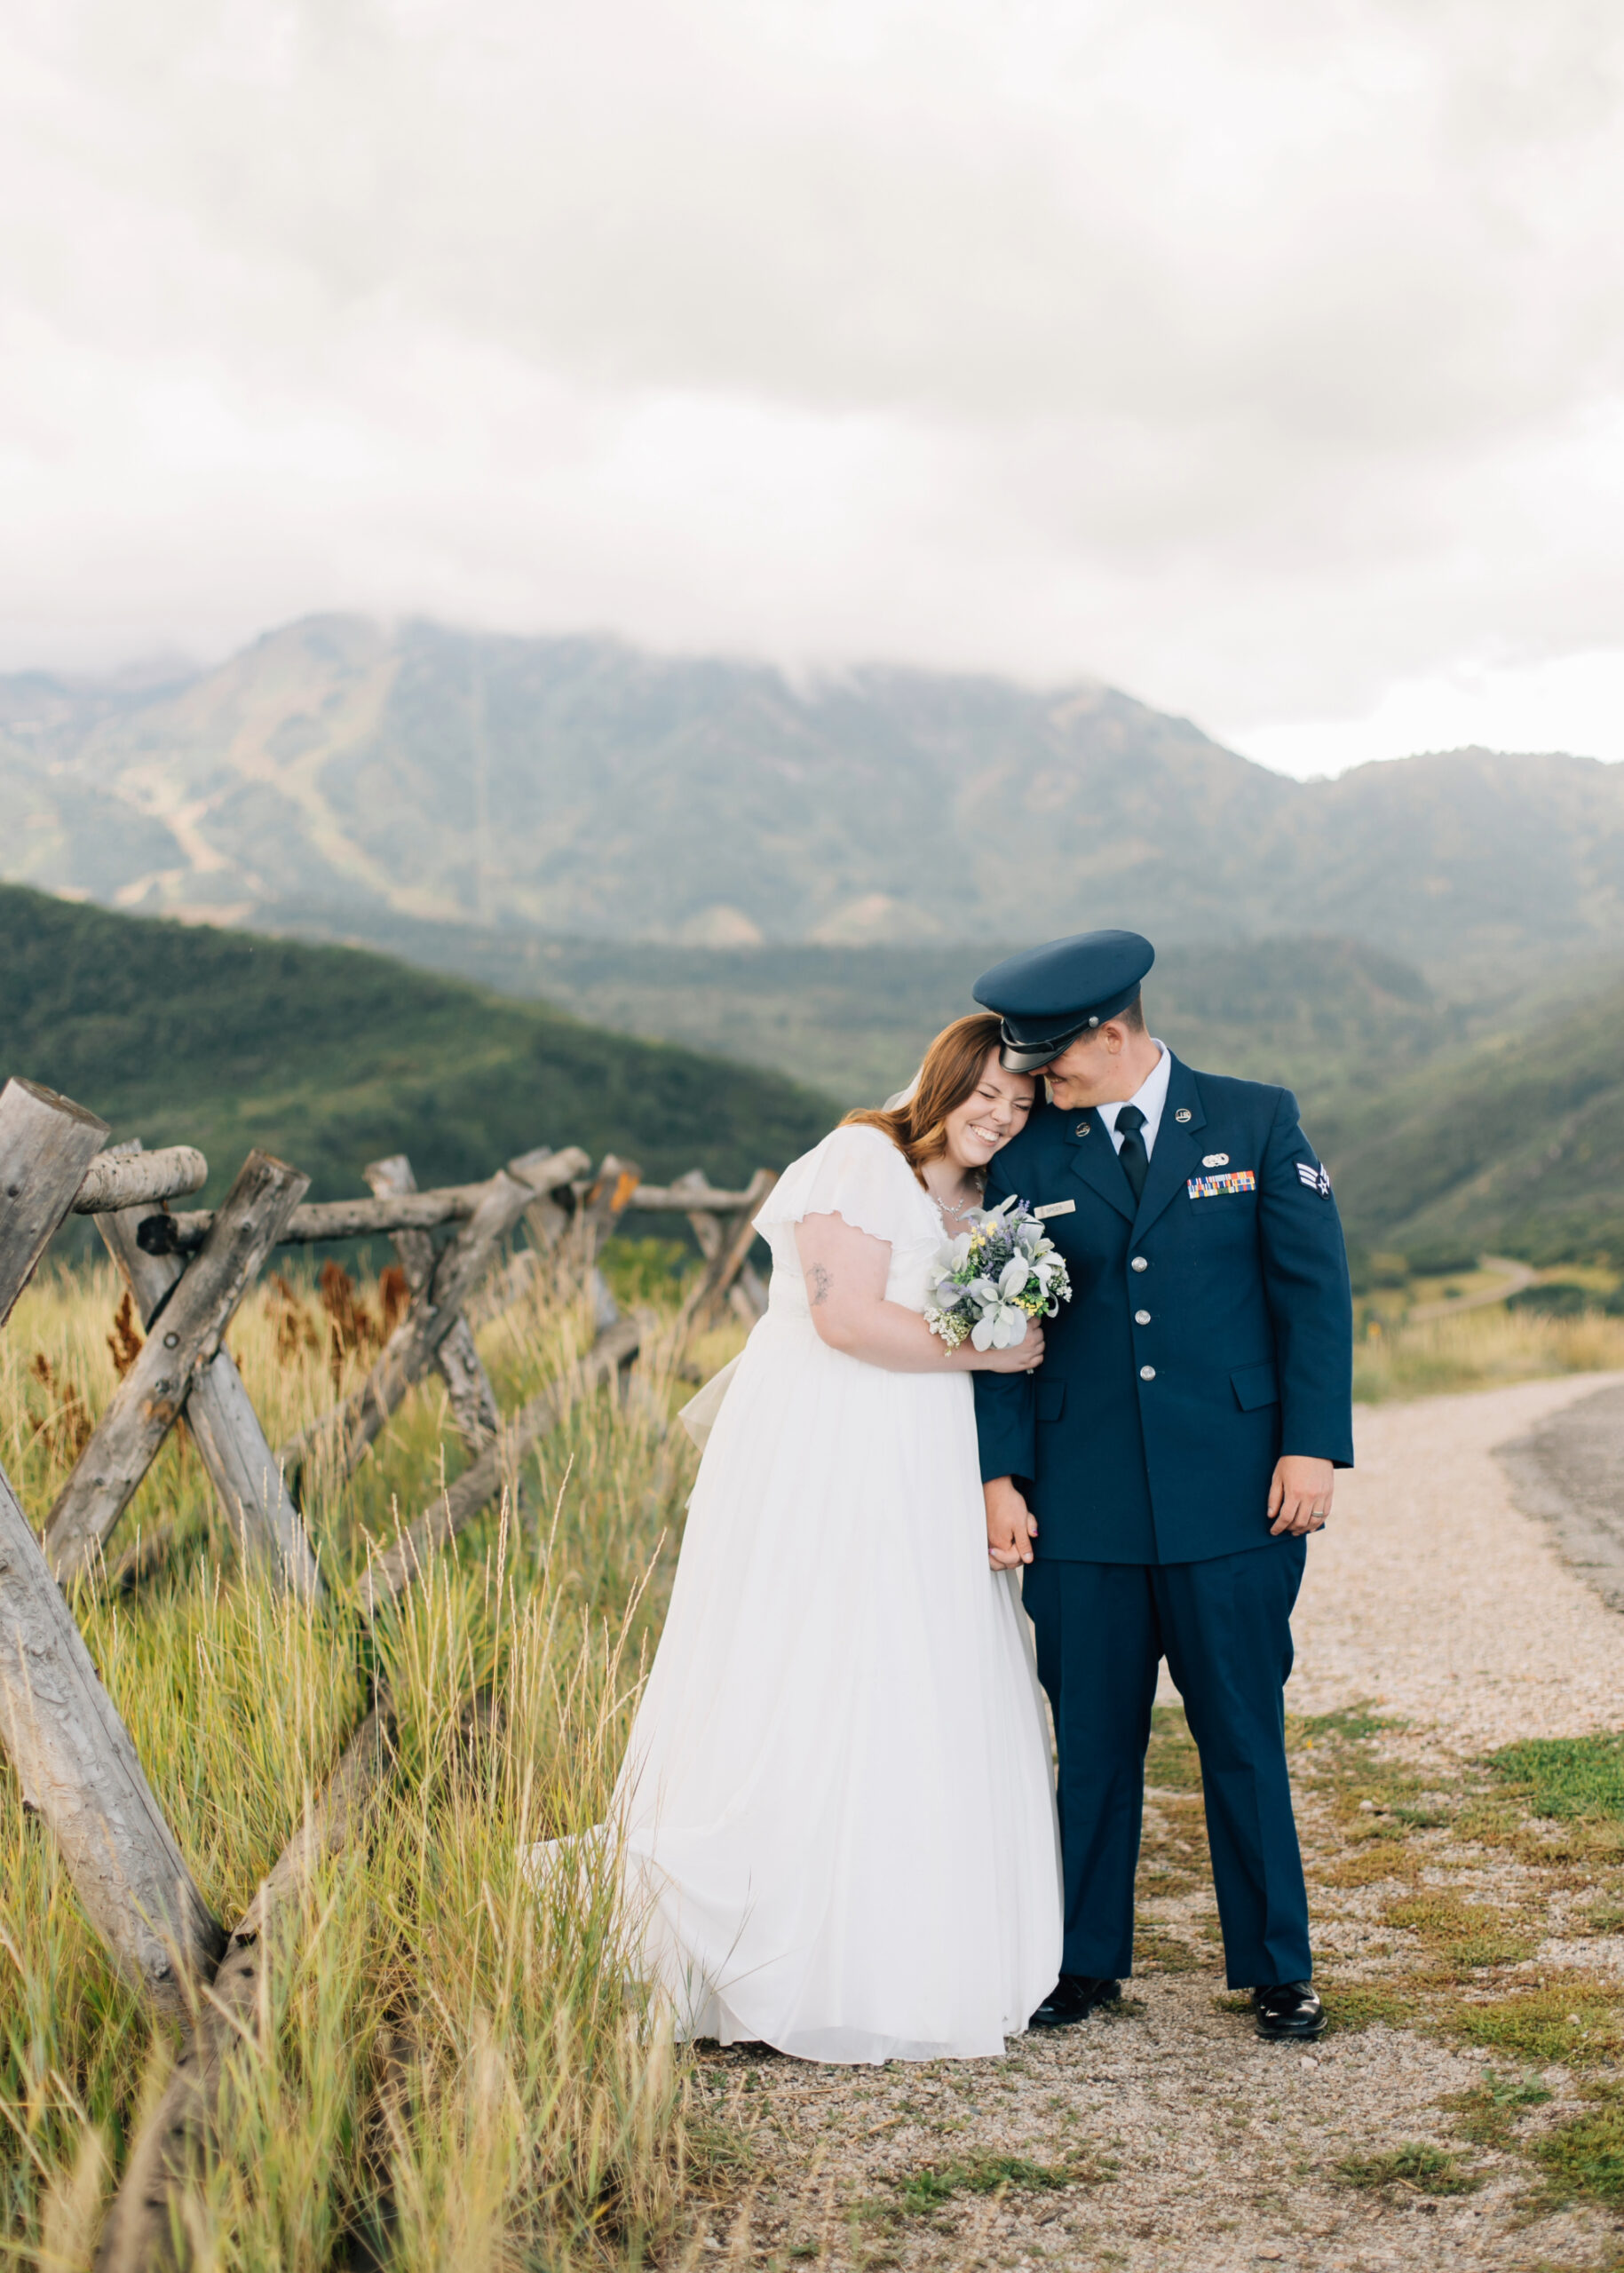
(1224, 1628)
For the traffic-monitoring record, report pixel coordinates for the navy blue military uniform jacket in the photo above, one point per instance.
(1210, 1329)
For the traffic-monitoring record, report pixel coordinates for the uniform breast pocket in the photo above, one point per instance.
(1226, 1222)
(1222, 1206)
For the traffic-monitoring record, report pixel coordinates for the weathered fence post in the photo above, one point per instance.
(47, 1144)
(600, 1209)
(71, 1752)
(185, 1334)
(747, 1297)
(732, 1253)
(344, 1434)
(240, 1464)
(473, 1400)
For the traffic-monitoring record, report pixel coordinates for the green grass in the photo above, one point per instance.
(1352, 2007)
(1565, 1778)
(1172, 1762)
(1466, 1934)
(1156, 1951)
(1487, 2114)
(1576, 2021)
(1352, 1723)
(1416, 2166)
(1583, 2158)
(922, 2191)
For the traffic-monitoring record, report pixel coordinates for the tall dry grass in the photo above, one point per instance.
(1480, 1349)
(453, 2070)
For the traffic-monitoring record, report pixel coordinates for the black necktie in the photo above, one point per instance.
(1131, 1152)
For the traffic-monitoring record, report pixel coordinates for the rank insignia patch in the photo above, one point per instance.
(1316, 1179)
(1214, 1187)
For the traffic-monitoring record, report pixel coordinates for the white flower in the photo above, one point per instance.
(1009, 1326)
(1014, 1276)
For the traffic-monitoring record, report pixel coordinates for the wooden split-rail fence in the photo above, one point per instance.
(187, 1272)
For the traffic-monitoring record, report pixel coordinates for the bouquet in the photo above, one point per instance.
(995, 1276)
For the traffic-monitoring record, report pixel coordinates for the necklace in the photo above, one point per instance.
(962, 1210)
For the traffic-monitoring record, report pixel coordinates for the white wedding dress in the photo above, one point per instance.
(838, 1808)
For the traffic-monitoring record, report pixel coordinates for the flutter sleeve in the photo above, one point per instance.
(857, 1174)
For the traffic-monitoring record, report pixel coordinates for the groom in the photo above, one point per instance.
(1162, 1473)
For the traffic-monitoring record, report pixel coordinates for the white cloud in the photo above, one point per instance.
(1265, 361)
(1574, 704)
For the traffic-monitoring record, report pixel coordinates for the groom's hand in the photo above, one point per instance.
(1299, 1495)
(1011, 1525)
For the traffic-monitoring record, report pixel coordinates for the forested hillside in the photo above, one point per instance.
(1515, 1145)
(331, 1056)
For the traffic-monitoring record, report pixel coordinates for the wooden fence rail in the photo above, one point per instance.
(126, 1176)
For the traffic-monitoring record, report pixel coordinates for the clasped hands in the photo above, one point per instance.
(1299, 1501)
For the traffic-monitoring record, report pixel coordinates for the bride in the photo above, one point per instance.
(836, 1801)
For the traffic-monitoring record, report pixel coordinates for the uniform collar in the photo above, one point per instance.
(1088, 1138)
(1151, 1096)
(1179, 1148)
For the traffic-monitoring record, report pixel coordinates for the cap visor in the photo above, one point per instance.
(1028, 1061)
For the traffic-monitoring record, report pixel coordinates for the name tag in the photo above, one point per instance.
(1055, 1207)
(1214, 1187)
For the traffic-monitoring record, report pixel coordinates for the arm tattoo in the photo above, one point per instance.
(822, 1283)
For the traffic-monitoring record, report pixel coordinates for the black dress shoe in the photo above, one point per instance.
(1074, 1997)
(1291, 2011)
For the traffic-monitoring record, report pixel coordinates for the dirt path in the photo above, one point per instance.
(1460, 2113)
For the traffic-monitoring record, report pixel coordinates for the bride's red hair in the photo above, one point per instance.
(953, 1066)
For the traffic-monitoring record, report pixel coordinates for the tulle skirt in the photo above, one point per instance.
(838, 1805)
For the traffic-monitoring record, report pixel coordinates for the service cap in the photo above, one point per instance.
(1047, 996)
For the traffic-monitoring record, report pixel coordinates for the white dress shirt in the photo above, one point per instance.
(1151, 1096)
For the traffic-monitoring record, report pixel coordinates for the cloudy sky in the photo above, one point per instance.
(1266, 360)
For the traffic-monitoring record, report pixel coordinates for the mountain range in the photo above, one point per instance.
(579, 788)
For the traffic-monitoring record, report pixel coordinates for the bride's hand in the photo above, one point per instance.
(1025, 1354)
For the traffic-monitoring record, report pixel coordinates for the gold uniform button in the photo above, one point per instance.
(1147, 1372)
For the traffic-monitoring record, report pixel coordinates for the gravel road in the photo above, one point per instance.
(1433, 1592)
(1166, 2139)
